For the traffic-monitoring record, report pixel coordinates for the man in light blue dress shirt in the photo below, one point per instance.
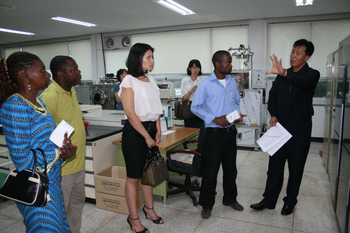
(216, 97)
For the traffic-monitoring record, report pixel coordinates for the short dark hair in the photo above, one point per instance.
(57, 63)
(309, 46)
(119, 72)
(134, 60)
(197, 64)
(218, 55)
(9, 69)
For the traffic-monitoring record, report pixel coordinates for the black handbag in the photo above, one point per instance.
(27, 187)
(183, 110)
(155, 170)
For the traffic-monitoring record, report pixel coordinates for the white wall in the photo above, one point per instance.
(325, 36)
(80, 51)
(174, 50)
(226, 37)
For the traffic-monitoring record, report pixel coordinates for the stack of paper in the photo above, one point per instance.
(183, 157)
(274, 139)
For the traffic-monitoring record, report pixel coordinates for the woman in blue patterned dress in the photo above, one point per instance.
(26, 125)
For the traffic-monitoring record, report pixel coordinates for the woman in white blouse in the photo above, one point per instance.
(188, 89)
(141, 101)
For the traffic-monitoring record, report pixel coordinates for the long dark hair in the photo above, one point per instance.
(9, 69)
(197, 64)
(134, 60)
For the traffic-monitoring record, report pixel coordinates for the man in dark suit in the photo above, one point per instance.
(290, 104)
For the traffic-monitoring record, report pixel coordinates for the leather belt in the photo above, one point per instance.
(226, 130)
(149, 125)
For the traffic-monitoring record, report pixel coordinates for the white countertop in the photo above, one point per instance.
(105, 117)
(90, 108)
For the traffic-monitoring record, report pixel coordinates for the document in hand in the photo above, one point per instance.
(233, 116)
(57, 135)
(274, 139)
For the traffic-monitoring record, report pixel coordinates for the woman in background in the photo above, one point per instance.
(27, 125)
(120, 76)
(141, 101)
(188, 88)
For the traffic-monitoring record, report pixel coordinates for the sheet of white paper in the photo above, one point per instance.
(274, 139)
(166, 132)
(233, 116)
(276, 147)
(57, 135)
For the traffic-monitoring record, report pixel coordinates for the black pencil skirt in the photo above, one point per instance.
(134, 148)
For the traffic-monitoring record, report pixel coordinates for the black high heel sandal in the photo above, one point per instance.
(143, 231)
(157, 221)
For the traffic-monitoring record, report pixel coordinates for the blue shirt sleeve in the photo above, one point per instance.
(212, 99)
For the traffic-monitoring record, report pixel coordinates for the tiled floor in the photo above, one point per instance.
(313, 213)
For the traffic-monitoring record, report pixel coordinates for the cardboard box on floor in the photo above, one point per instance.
(112, 181)
(116, 203)
(110, 190)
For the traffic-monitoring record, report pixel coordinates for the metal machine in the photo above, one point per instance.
(252, 100)
(83, 94)
(103, 94)
(167, 97)
(166, 89)
(252, 126)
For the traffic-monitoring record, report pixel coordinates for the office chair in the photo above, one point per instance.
(185, 162)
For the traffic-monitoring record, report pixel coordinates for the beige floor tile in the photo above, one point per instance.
(314, 214)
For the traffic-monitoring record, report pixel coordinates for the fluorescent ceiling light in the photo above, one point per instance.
(66, 20)
(16, 32)
(170, 4)
(304, 2)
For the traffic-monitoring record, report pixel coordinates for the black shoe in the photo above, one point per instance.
(235, 205)
(128, 220)
(260, 206)
(206, 213)
(287, 209)
(157, 221)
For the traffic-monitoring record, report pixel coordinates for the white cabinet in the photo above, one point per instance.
(100, 155)
(318, 121)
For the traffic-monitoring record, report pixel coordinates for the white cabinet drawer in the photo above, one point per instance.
(89, 179)
(88, 152)
(89, 165)
(90, 192)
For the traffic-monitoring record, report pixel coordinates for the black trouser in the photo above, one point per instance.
(219, 147)
(295, 151)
